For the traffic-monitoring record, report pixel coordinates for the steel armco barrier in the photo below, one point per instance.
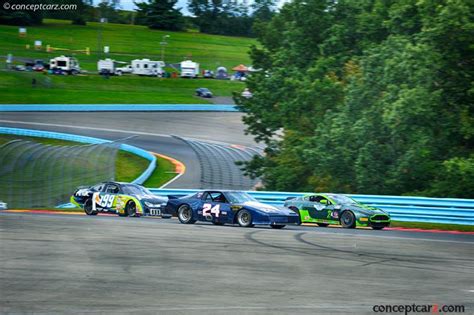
(408, 209)
(83, 139)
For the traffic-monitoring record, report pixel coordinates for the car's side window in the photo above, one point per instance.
(218, 197)
(207, 197)
(112, 189)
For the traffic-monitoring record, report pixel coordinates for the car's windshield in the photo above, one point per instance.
(238, 197)
(341, 199)
(135, 190)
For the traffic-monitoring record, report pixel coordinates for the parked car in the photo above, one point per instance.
(228, 207)
(325, 209)
(204, 92)
(39, 66)
(124, 199)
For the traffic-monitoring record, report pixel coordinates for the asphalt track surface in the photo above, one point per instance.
(106, 264)
(153, 131)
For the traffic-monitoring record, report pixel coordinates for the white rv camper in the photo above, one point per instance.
(66, 64)
(148, 67)
(109, 66)
(189, 69)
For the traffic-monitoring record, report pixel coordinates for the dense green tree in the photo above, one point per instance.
(372, 96)
(161, 14)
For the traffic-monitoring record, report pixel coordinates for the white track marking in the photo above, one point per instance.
(86, 128)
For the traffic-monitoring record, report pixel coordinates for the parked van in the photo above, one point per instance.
(109, 66)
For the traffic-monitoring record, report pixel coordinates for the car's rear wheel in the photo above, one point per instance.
(131, 209)
(244, 218)
(277, 226)
(348, 220)
(185, 215)
(322, 224)
(88, 208)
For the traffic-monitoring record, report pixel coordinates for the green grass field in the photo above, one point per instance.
(126, 42)
(128, 166)
(16, 88)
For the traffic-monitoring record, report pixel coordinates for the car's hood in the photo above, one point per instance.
(364, 209)
(267, 208)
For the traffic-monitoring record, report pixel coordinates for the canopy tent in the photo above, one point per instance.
(241, 68)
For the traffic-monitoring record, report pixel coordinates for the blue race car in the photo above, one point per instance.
(231, 207)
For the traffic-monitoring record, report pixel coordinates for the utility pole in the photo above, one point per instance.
(163, 43)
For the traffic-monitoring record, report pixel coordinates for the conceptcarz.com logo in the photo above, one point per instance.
(419, 308)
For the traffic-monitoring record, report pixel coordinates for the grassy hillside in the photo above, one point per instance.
(17, 88)
(126, 42)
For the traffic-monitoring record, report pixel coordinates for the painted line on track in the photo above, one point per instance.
(84, 128)
(179, 168)
(118, 108)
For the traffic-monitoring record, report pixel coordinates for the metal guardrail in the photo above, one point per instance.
(83, 139)
(408, 209)
(117, 107)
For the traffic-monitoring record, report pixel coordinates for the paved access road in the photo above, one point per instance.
(106, 264)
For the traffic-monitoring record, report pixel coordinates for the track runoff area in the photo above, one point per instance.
(106, 264)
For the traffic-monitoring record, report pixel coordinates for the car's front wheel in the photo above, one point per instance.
(131, 209)
(348, 220)
(244, 218)
(185, 215)
(88, 208)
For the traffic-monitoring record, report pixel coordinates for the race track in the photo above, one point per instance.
(154, 131)
(106, 264)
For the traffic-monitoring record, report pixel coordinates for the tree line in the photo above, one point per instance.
(223, 17)
(369, 97)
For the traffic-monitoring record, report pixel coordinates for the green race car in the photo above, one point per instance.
(325, 209)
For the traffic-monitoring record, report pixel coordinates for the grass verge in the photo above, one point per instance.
(128, 166)
(433, 226)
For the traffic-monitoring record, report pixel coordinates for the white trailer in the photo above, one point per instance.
(189, 69)
(66, 64)
(110, 66)
(147, 67)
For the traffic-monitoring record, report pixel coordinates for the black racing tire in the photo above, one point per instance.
(244, 218)
(218, 223)
(378, 227)
(131, 209)
(348, 220)
(322, 224)
(277, 226)
(297, 211)
(88, 208)
(185, 214)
